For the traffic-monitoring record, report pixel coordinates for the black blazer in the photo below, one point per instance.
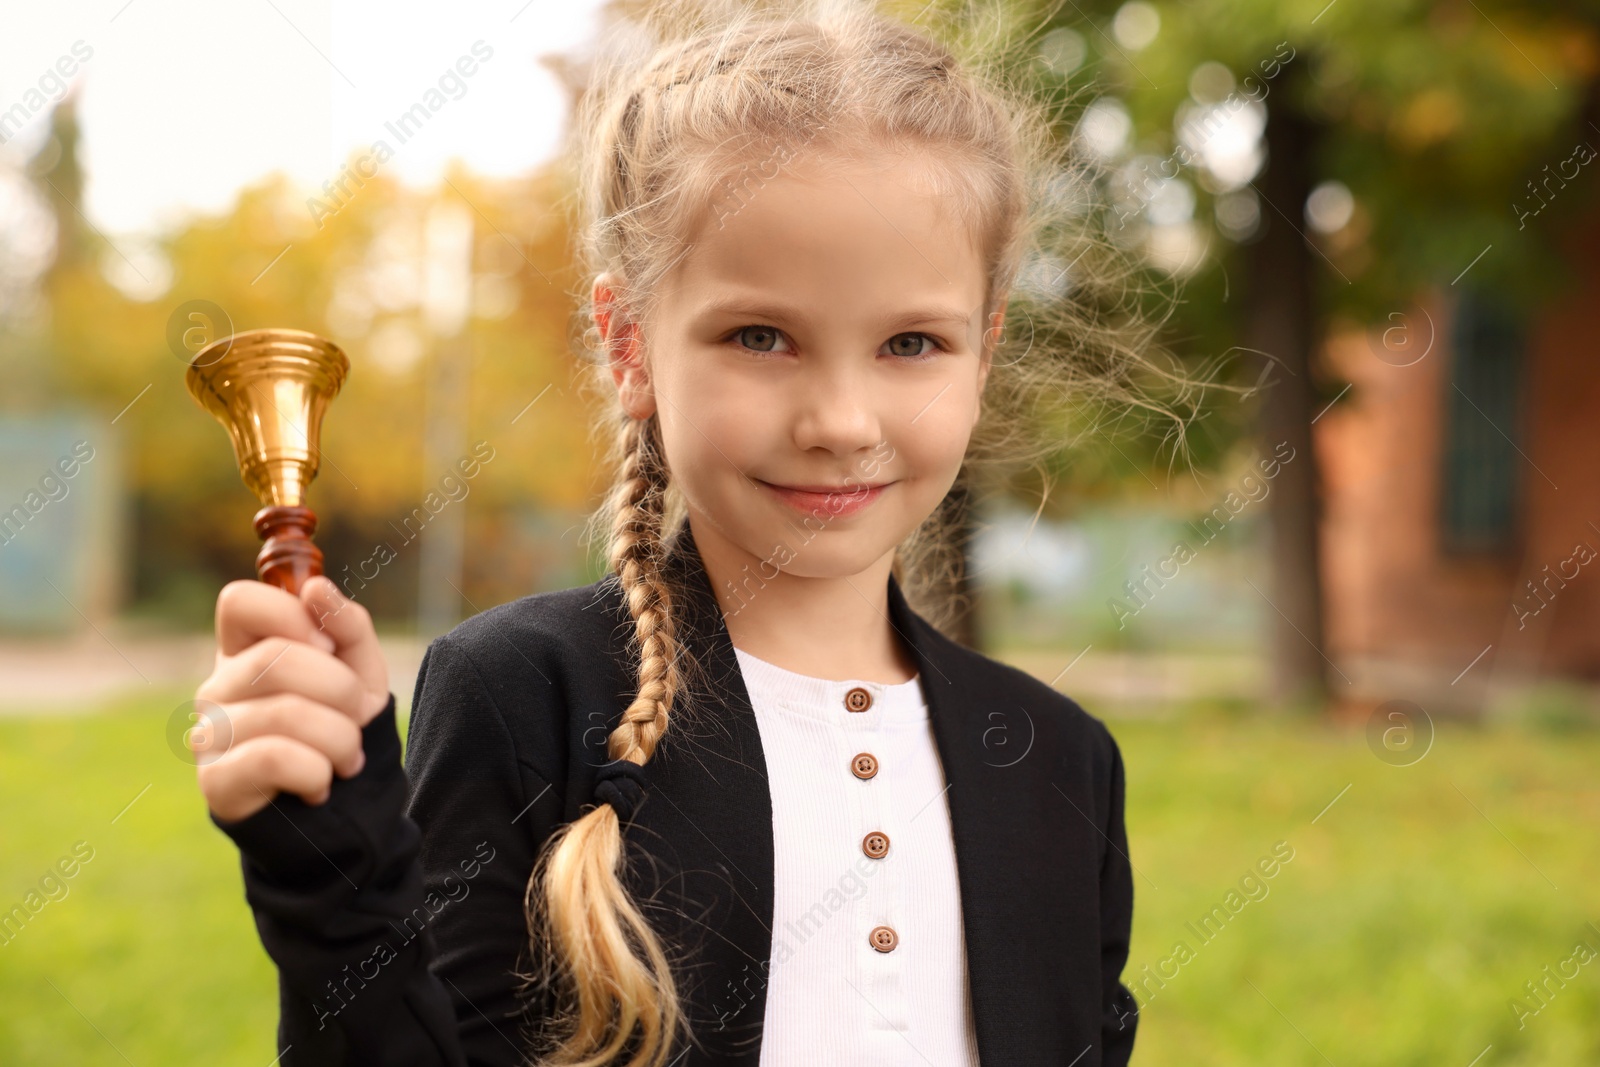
(395, 910)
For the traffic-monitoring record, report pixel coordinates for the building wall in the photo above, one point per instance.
(1397, 600)
(61, 522)
(1563, 504)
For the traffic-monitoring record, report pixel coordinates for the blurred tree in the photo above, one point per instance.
(355, 276)
(58, 170)
(1290, 166)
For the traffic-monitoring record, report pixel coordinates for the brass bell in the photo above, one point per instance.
(269, 389)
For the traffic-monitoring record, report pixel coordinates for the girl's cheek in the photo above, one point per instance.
(736, 426)
(919, 457)
(943, 427)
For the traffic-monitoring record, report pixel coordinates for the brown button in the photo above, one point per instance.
(858, 699)
(875, 844)
(883, 938)
(865, 765)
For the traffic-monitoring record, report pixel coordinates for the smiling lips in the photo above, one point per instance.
(841, 500)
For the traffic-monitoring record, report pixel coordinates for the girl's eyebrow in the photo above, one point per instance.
(780, 312)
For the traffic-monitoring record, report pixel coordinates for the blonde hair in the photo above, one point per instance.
(660, 136)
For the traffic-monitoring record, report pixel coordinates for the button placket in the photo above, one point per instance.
(810, 716)
(853, 734)
(877, 915)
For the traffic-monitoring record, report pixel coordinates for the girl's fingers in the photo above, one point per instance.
(278, 665)
(245, 778)
(330, 732)
(296, 678)
(248, 610)
(349, 624)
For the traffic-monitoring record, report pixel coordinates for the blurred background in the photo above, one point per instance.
(1356, 622)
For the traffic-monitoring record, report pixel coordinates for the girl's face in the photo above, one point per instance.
(816, 363)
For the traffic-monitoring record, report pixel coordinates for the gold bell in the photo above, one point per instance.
(269, 389)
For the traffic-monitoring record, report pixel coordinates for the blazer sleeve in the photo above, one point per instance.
(329, 885)
(483, 811)
(1120, 1011)
(394, 910)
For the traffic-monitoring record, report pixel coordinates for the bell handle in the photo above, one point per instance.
(289, 558)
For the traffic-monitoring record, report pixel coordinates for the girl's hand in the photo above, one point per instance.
(296, 680)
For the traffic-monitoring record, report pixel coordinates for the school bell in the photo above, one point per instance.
(269, 389)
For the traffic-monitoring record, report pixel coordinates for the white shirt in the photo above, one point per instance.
(832, 997)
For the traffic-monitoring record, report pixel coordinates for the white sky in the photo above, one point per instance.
(184, 102)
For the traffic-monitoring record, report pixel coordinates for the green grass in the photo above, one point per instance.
(1396, 935)
(149, 955)
(1414, 909)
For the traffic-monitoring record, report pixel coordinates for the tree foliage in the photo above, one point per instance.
(358, 279)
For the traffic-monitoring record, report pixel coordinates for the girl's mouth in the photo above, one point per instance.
(835, 501)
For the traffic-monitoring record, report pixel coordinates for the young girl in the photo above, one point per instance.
(738, 802)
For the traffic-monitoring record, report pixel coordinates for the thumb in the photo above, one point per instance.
(355, 642)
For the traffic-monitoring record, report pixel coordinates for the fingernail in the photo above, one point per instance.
(323, 641)
(361, 761)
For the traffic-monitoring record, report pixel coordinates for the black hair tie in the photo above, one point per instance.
(620, 783)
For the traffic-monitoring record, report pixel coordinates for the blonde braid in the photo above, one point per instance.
(596, 931)
(636, 551)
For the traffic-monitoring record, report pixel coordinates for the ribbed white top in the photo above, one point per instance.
(832, 997)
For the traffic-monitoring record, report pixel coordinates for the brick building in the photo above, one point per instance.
(1461, 475)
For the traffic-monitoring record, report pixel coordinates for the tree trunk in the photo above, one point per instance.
(1280, 320)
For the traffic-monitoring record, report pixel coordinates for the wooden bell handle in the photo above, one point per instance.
(288, 559)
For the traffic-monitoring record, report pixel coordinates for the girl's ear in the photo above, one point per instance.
(992, 337)
(624, 347)
(994, 334)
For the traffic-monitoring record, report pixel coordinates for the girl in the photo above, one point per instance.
(738, 802)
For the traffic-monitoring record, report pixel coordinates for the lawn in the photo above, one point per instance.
(1414, 905)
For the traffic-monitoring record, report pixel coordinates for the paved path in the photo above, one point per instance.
(84, 674)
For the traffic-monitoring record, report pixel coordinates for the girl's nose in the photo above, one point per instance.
(835, 410)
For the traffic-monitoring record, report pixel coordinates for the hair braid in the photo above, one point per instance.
(596, 931)
(636, 550)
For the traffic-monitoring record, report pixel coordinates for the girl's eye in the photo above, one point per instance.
(910, 346)
(761, 339)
